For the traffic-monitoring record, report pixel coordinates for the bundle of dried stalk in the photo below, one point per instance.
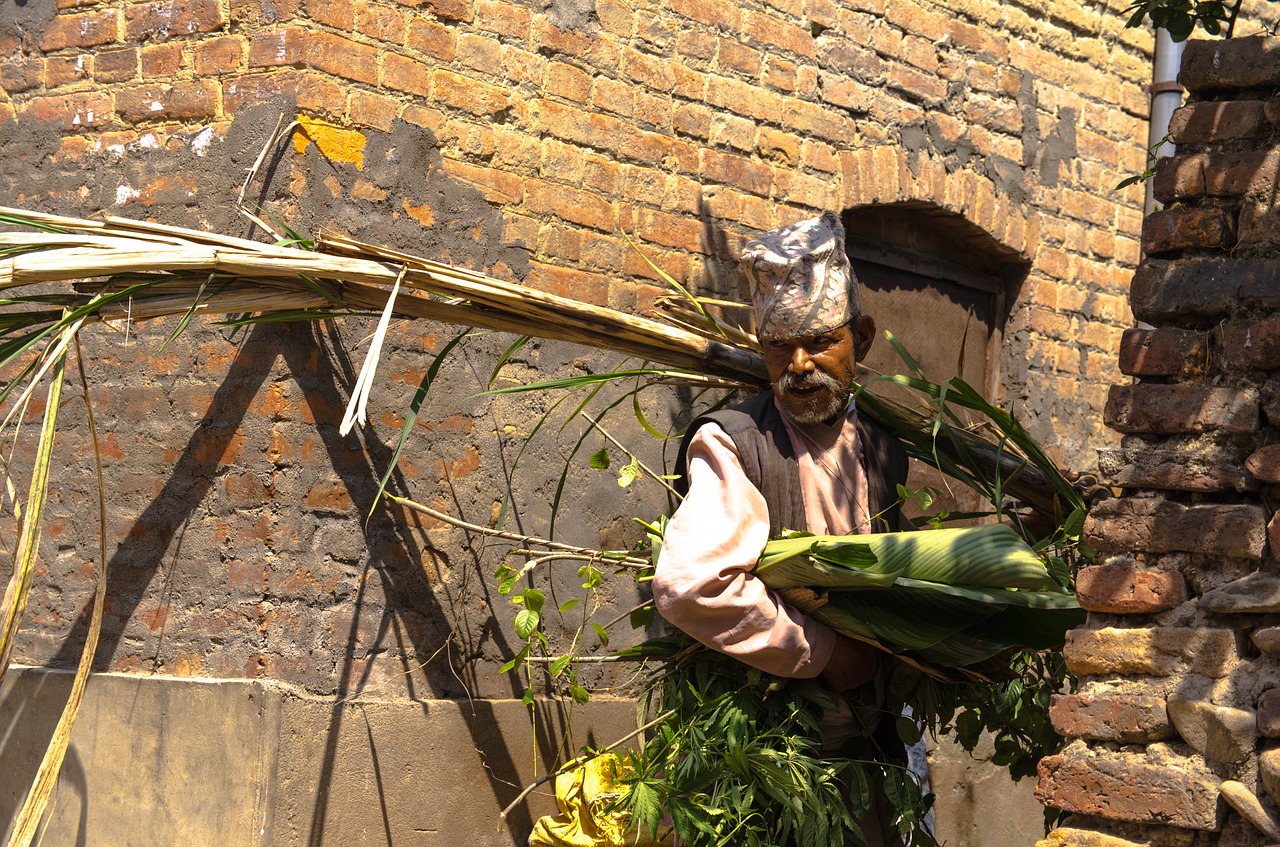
(158, 270)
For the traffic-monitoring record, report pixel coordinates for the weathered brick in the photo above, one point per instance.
(651, 71)
(921, 87)
(567, 282)
(220, 55)
(1264, 463)
(339, 14)
(1222, 120)
(1152, 408)
(374, 110)
(611, 95)
(434, 39)
(162, 61)
(162, 102)
(1175, 467)
(282, 47)
(1252, 62)
(719, 13)
(1179, 792)
(1153, 651)
(738, 171)
(88, 29)
(1252, 343)
(1127, 719)
(571, 204)
(846, 93)
(684, 233)
(1164, 290)
(381, 23)
(1180, 228)
(1259, 223)
(1163, 352)
(167, 18)
(18, 75)
(342, 57)
(401, 73)
(472, 96)
(72, 112)
(734, 56)
(263, 11)
(780, 33)
(115, 65)
(1124, 590)
(505, 18)
(479, 52)
(445, 10)
(255, 88)
(813, 120)
(1189, 176)
(1155, 525)
(497, 186)
(743, 99)
(593, 48)
(62, 70)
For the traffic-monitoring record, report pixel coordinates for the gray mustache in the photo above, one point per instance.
(816, 379)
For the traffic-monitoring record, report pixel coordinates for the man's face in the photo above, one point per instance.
(812, 375)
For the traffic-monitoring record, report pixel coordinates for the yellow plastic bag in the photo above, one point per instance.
(582, 795)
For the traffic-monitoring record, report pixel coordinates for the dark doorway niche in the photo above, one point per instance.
(941, 285)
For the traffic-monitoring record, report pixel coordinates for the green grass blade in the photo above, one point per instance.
(188, 315)
(27, 822)
(411, 418)
(15, 596)
(512, 348)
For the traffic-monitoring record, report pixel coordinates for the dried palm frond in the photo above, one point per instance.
(140, 269)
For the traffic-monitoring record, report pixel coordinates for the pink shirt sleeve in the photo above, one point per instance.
(703, 583)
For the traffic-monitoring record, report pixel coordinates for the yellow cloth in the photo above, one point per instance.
(582, 795)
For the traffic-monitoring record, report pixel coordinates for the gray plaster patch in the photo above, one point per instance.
(573, 14)
(26, 21)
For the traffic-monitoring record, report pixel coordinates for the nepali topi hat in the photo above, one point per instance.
(800, 279)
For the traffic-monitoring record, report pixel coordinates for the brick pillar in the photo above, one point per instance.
(1172, 727)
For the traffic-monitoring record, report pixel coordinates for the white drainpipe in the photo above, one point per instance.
(1166, 96)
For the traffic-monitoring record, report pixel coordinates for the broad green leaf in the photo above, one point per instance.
(527, 623)
(599, 460)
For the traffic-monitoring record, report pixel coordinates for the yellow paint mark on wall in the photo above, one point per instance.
(333, 142)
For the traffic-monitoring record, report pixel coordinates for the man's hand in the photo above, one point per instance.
(852, 664)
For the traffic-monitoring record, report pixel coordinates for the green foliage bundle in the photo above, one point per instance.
(737, 763)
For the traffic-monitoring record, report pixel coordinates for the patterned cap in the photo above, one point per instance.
(800, 279)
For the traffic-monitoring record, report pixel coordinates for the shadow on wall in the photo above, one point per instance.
(180, 188)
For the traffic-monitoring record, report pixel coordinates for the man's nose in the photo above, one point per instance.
(801, 362)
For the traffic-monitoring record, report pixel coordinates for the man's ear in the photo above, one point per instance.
(863, 328)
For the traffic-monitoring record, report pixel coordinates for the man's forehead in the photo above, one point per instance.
(839, 333)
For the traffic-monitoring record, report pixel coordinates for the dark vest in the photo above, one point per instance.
(769, 461)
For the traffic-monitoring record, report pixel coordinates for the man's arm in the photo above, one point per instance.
(703, 583)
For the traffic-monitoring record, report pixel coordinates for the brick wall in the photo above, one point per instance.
(523, 139)
(690, 125)
(1173, 722)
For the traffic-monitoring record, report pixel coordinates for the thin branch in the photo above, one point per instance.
(628, 613)
(628, 562)
(414, 506)
(594, 660)
(584, 759)
(616, 443)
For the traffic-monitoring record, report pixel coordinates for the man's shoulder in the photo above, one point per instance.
(757, 412)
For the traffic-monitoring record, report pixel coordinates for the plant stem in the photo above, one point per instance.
(616, 443)
(585, 552)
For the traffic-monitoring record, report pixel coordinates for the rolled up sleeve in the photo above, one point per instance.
(704, 584)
